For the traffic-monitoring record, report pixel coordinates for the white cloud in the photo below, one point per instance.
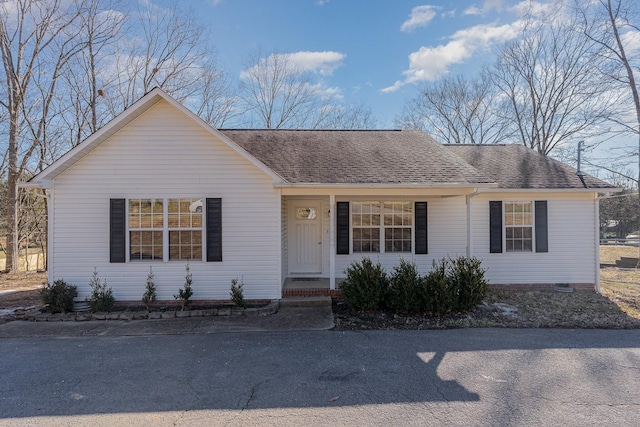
(324, 63)
(420, 17)
(429, 63)
(487, 6)
(473, 10)
(631, 41)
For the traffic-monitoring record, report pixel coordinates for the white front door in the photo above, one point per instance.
(305, 237)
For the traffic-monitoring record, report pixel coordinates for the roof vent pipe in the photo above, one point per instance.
(579, 172)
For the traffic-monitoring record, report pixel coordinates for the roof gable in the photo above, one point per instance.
(138, 108)
(515, 166)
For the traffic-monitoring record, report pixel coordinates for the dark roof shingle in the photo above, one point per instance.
(516, 166)
(356, 157)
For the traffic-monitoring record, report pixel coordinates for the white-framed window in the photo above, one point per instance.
(165, 229)
(146, 225)
(382, 226)
(518, 222)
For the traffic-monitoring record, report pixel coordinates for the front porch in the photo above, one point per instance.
(316, 286)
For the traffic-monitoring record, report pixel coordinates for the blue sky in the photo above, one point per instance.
(371, 52)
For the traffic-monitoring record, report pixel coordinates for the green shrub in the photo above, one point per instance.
(101, 298)
(149, 295)
(237, 294)
(185, 294)
(366, 285)
(405, 288)
(467, 277)
(59, 296)
(437, 294)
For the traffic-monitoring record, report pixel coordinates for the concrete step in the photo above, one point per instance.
(315, 301)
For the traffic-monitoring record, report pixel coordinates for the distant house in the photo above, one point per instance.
(157, 186)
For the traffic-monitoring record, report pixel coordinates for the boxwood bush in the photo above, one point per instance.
(58, 297)
(366, 285)
(405, 285)
(467, 278)
(453, 284)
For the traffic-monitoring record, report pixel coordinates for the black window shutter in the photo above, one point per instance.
(495, 227)
(421, 228)
(214, 230)
(342, 228)
(117, 230)
(542, 235)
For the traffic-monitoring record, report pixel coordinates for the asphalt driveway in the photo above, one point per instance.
(455, 377)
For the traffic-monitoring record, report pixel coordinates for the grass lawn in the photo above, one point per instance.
(620, 285)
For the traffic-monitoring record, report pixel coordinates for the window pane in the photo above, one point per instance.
(375, 219)
(145, 221)
(173, 206)
(174, 220)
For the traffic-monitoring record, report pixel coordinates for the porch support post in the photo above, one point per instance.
(469, 230)
(332, 240)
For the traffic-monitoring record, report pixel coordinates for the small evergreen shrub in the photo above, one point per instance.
(185, 293)
(437, 294)
(467, 277)
(149, 295)
(405, 288)
(101, 298)
(237, 294)
(366, 285)
(58, 296)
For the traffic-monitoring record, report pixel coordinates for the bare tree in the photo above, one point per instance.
(163, 46)
(278, 93)
(457, 110)
(606, 25)
(34, 36)
(214, 102)
(357, 116)
(90, 74)
(547, 76)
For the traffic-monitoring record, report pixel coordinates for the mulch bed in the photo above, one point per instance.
(535, 309)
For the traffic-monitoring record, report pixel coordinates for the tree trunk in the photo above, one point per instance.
(12, 179)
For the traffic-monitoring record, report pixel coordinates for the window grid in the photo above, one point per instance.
(518, 219)
(185, 229)
(180, 219)
(398, 223)
(393, 221)
(365, 220)
(146, 222)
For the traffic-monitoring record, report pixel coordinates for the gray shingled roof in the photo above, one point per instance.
(516, 166)
(356, 157)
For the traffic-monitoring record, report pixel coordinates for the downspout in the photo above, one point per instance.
(469, 226)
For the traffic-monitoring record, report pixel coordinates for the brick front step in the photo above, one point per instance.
(312, 292)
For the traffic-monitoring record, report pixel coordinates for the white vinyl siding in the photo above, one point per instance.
(163, 153)
(571, 236)
(447, 235)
